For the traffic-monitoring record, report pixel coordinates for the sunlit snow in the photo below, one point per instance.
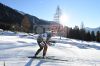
(16, 47)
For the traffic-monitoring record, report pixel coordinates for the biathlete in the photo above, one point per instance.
(43, 42)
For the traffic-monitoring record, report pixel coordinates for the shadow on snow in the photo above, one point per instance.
(29, 63)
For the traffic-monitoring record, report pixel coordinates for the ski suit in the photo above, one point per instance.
(42, 42)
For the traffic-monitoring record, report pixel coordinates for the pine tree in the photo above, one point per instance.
(76, 32)
(82, 32)
(98, 36)
(88, 36)
(70, 35)
(93, 37)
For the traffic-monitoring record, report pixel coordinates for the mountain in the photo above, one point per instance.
(10, 17)
(92, 29)
(36, 20)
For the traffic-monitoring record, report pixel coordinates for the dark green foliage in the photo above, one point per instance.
(93, 37)
(70, 34)
(98, 36)
(9, 17)
(88, 36)
(81, 34)
(76, 32)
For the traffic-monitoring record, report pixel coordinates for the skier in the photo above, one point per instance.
(43, 42)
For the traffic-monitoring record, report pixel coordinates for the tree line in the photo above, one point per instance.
(82, 34)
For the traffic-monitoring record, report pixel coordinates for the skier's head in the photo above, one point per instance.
(49, 34)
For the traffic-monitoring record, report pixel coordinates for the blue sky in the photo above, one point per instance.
(87, 11)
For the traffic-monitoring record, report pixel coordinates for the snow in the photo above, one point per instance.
(16, 47)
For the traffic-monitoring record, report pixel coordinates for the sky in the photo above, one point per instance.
(76, 11)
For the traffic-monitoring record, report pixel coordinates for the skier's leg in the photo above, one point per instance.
(45, 50)
(38, 51)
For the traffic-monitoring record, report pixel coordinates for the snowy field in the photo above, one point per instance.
(15, 48)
